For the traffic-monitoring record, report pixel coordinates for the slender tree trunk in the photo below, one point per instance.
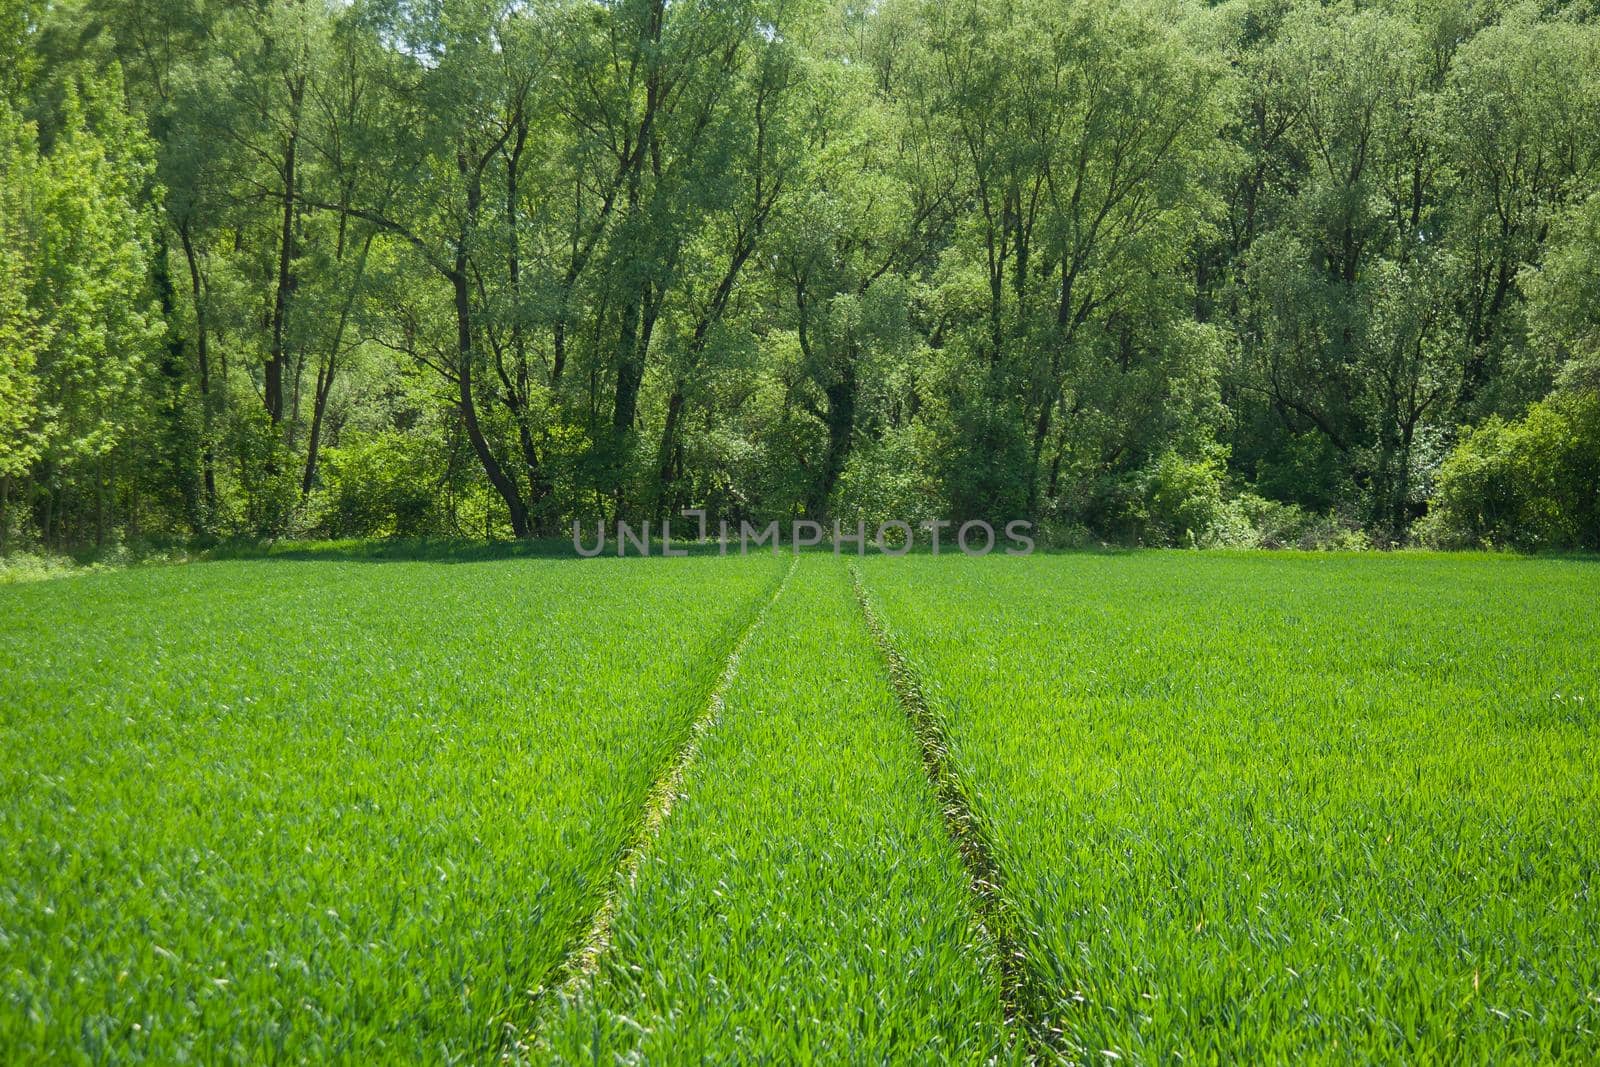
(1069, 316)
(286, 250)
(329, 368)
(634, 339)
(469, 411)
(1475, 373)
(298, 380)
(48, 525)
(314, 441)
(539, 488)
(99, 502)
(29, 499)
(639, 324)
(176, 444)
(624, 405)
(558, 362)
(1041, 433)
(664, 455)
(624, 408)
(1402, 496)
(134, 502)
(841, 423)
(208, 471)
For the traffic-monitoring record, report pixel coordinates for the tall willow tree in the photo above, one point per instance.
(1084, 135)
(1147, 269)
(1398, 185)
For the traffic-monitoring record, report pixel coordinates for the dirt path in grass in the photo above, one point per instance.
(977, 852)
(584, 959)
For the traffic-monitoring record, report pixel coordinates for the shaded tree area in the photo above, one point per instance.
(1256, 272)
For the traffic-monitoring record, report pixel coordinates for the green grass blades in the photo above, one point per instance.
(329, 811)
(804, 902)
(1272, 809)
(1236, 808)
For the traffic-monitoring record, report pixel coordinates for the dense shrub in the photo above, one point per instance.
(1251, 521)
(886, 479)
(1529, 484)
(1183, 500)
(378, 485)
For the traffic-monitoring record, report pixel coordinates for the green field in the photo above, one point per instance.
(1140, 807)
(1281, 808)
(328, 810)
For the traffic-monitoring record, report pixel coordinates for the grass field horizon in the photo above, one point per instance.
(1078, 806)
(19, 568)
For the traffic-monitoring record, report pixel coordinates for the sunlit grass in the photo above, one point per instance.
(1242, 808)
(1273, 808)
(350, 811)
(804, 903)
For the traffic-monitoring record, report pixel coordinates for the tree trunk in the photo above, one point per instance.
(625, 406)
(469, 412)
(134, 501)
(208, 472)
(175, 442)
(841, 421)
(298, 380)
(99, 502)
(314, 442)
(329, 368)
(639, 324)
(1041, 433)
(559, 360)
(540, 491)
(664, 455)
(629, 370)
(47, 525)
(286, 280)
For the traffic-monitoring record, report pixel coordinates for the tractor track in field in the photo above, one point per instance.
(1040, 1042)
(583, 960)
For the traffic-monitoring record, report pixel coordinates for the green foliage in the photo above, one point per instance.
(887, 480)
(25, 567)
(1251, 521)
(77, 324)
(89, 287)
(1081, 133)
(22, 335)
(379, 486)
(630, 258)
(985, 464)
(1533, 483)
(1565, 306)
(1184, 499)
(266, 491)
(1400, 176)
(1302, 469)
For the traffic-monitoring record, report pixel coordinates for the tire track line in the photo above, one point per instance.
(583, 961)
(1039, 1042)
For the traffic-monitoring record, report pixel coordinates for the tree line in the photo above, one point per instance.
(1152, 271)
